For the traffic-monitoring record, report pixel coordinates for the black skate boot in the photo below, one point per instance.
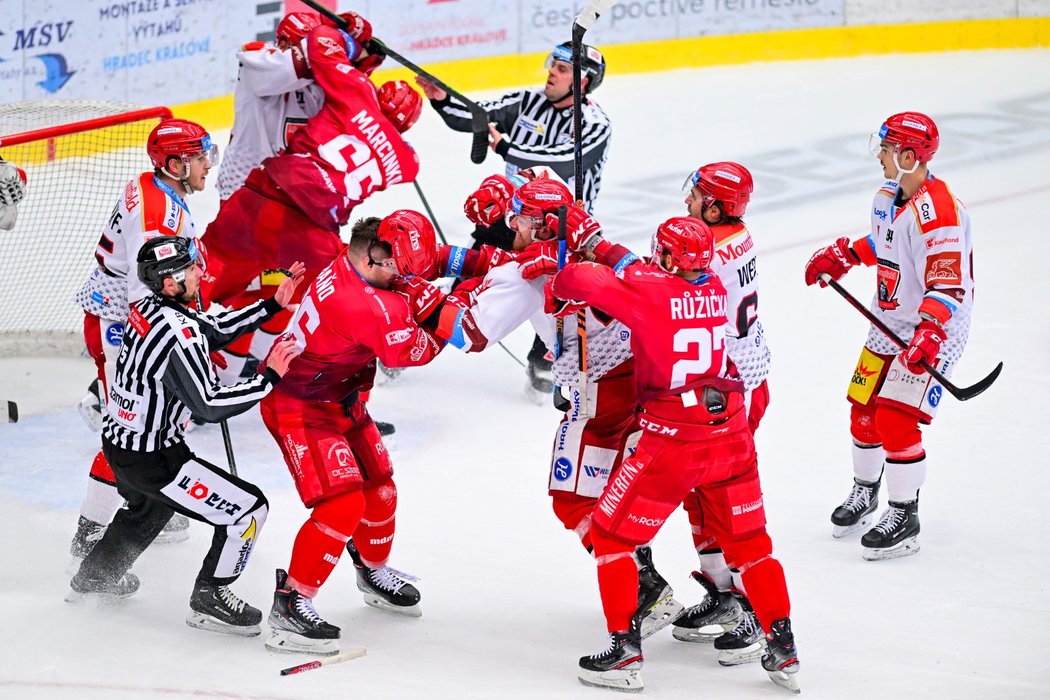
(896, 534)
(657, 607)
(295, 626)
(717, 614)
(218, 609)
(106, 591)
(88, 533)
(385, 588)
(781, 658)
(90, 407)
(857, 511)
(385, 429)
(177, 529)
(618, 667)
(745, 642)
(540, 372)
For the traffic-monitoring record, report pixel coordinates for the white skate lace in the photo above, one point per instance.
(389, 579)
(859, 498)
(305, 607)
(890, 520)
(231, 600)
(748, 625)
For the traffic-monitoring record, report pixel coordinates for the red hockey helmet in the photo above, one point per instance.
(726, 183)
(399, 103)
(540, 197)
(412, 242)
(908, 130)
(295, 26)
(175, 138)
(688, 240)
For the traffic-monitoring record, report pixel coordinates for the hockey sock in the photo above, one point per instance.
(321, 541)
(617, 580)
(867, 462)
(767, 590)
(374, 537)
(713, 565)
(102, 498)
(905, 476)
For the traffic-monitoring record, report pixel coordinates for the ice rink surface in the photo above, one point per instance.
(510, 599)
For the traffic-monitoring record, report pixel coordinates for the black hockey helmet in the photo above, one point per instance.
(165, 256)
(593, 63)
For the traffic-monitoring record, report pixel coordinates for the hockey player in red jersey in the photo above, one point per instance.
(12, 191)
(293, 205)
(921, 247)
(695, 437)
(718, 194)
(359, 308)
(153, 204)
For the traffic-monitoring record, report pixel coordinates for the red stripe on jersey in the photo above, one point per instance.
(155, 207)
(138, 321)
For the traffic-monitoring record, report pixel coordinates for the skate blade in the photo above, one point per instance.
(786, 680)
(210, 624)
(100, 599)
(664, 612)
(379, 603)
(172, 536)
(904, 548)
(736, 657)
(840, 531)
(285, 642)
(619, 680)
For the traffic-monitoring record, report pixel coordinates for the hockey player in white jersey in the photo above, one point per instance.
(921, 247)
(152, 204)
(591, 441)
(718, 195)
(12, 191)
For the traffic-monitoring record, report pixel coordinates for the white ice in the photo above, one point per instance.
(510, 599)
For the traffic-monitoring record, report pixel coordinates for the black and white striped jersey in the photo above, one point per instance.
(538, 133)
(164, 375)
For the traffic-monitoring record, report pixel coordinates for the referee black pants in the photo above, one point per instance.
(156, 484)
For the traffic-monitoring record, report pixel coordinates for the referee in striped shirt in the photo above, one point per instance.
(533, 127)
(163, 376)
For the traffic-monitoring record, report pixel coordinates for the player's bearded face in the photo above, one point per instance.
(526, 230)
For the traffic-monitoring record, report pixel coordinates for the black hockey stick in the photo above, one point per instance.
(479, 118)
(8, 412)
(430, 212)
(961, 393)
(560, 402)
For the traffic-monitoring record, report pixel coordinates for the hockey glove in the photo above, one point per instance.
(559, 307)
(759, 402)
(835, 260)
(356, 26)
(487, 205)
(423, 298)
(12, 183)
(582, 231)
(924, 346)
(540, 258)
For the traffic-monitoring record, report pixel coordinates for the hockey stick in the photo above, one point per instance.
(583, 22)
(560, 402)
(479, 118)
(430, 212)
(326, 661)
(961, 393)
(9, 411)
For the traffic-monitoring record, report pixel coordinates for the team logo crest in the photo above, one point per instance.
(889, 277)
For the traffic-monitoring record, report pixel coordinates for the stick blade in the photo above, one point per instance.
(967, 393)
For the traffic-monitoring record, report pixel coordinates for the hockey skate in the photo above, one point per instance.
(857, 511)
(90, 407)
(218, 609)
(177, 529)
(386, 588)
(781, 657)
(717, 614)
(386, 430)
(295, 626)
(81, 586)
(896, 534)
(540, 382)
(657, 607)
(618, 668)
(745, 642)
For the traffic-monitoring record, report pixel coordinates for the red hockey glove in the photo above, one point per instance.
(369, 63)
(559, 307)
(924, 346)
(356, 26)
(488, 204)
(759, 402)
(835, 260)
(540, 258)
(580, 228)
(423, 298)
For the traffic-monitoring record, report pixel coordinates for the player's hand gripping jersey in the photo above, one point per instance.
(274, 96)
(923, 250)
(349, 149)
(342, 325)
(149, 208)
